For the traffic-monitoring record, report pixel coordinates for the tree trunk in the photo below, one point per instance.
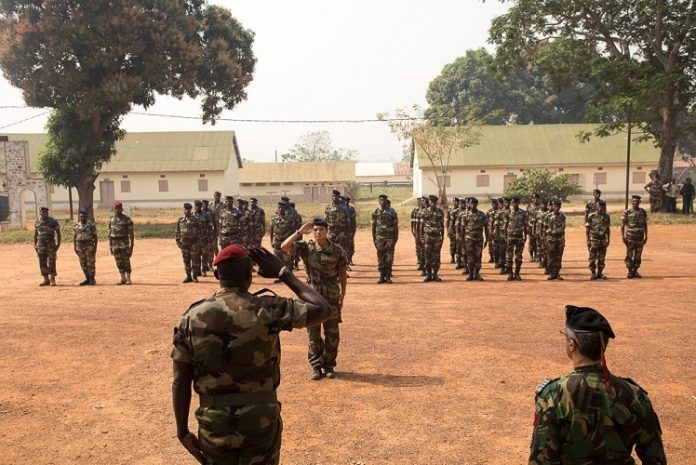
(85, 191)
(669, 138)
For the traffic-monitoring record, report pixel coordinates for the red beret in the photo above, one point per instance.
(231, 252)
(118, 204)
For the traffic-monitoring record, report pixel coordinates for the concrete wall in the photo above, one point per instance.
(298, 192)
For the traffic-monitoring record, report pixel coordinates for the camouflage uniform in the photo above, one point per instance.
(460, 236)
(217, 208)
(579, 420)
(597, 230)
(490, 217)
(414, 231)
(242, 369)
(282, 227)
(323, 265)
(231, 227)
(206, 220)
(86, 247)
(258, 224)
(515, 235)
(451, 224)
(654, 188)
(46, 232)
(533, 216)
(555, 242)
(474, 224)
(337, 217)
(188, 238)
(433, 232)
(636, 223)
(120, 230)
(540, 228)
(385, 225)
(499, 236)
(352, 229)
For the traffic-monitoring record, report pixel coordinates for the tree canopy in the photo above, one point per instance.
(640, 57)
(542, 181)
(317, 146)
(92, 63)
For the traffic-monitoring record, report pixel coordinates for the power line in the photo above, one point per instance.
(23, 120)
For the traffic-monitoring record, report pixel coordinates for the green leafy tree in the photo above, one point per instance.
(640, 56)
(317, 146)
(91, 63)
(516, 95)
(545, 183)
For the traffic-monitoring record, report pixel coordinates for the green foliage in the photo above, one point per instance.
(547, 184)
(317, 146)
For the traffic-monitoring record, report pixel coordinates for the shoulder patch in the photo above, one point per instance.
(540, 387)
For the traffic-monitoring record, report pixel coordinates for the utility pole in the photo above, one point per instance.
(276, 155)
(628, 160)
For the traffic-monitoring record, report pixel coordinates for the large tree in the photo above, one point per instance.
(643, 75)
(317, 146)
(91, 62)
(515, 95)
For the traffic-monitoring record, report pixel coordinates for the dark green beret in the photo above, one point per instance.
(432, 198)
(188, 206)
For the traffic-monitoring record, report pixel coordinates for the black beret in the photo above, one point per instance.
(348, 198)
(44, 209)
(188, 206)
(515, 199)
(205, 201)
(636, 197)
(285, 198)
(586, 319)
(282, 204)
(597, 191)
(382, 196)
(253, 199)
(197, 202)
(473, 199)
(506, 199)
(432, 198)
(557, 202)
(335, 192)
(545, 201)
(229, 197)
(291, 204)
(319, 221)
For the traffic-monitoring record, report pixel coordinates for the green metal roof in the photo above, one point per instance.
(546, 144)
(157, 151)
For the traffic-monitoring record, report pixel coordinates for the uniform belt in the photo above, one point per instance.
(118, 237)
(238, 399)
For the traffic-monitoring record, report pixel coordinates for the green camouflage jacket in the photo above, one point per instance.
(120, 227)
(636, 222)
(323, 267)
(555, 226)
(188, 229)
(517, 223)
(433, 222)
(338, 220)
(86, 232)
(473, 225)
(598, 225)
(385, 223)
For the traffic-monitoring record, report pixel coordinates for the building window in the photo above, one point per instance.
(574, 179)
(288, 183)
(202, 185)
(600, 178)
(446, 180)
(125, 176)
(507, 179)
(275, 184)
(561, 169)
(125, 186)
(261, 184)
(247, 184)
(163, 175)
(201, 175)
(639, 168)
(163, 185)
(482, 171)
(639, 177)
(482, 180)
(600, 168)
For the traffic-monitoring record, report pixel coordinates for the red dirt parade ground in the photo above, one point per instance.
(428, 373)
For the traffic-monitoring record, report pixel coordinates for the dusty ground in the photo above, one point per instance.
(430, 373)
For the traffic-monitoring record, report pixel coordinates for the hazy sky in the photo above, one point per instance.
(320, 59)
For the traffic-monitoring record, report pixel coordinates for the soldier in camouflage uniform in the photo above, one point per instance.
(326, 263)
(244, 229)
(209, 245)
(47, 239)
(337, 217)
(121, 242)
(204, 220)
(230, 224)
(475, 234)
(450, 225)
(385, 234)
(555, 240)
(217, 208)
(459, 234)
(228, 348)
(515, 236)
(282, 226)
(533, 212)
(85, 245)
(258, 221)
(433, 235)
(592, 205)
(598, 233)
(296, 224)
(591, 416)
(490, 215)
(501, 218)
(188, 239)
(634, 231)
(654, 188)
(540, 232)
(352, 229)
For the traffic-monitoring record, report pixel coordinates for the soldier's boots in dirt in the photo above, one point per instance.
(86, 281)
(428, 275)
(46, 281)
(600, 275)
(517, 273)
(330, 373)
(471, 276)
(594, 273)
(128, 278)
(477, 276)
(316, 374)
(187, 279)
(382, 278)
(123, 278)
(52, 279)
(635, 272)
(435, 277)
(92, 281)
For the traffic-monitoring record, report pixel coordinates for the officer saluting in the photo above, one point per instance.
(591, 416)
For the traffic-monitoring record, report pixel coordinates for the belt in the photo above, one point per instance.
(238, 399)
(118, 237)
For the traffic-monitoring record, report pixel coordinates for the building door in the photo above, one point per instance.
(507, 179)
(106, 192)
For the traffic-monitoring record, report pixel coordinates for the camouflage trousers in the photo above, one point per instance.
(385, 254)
(499, 248)
(323, 352)
(191, 254)
(655, 204)
(240, 435)
(120, 249)
(207, 254)
(474, 250)
(258, 238)
(463, 257)
(431, 254)
(87, 253)
(419, 251)
(634, 252)
(598, 253)
(554, 255)
(286, 258)
(514, 249)
(533, 253)
(542, 254)
(47, 259)
(491, 248)
(350, 244)
(454, 246)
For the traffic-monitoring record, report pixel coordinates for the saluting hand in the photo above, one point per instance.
(269, 264)
(307, 228)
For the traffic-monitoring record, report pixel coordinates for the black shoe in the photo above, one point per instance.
(316, 374)
(388, 280)
(478, 277)
(502, 270)
(594, 275)
(436, 278)
(490, 260)
(85, 282)
(511, 277)
(330, 373)
(92, 282)
(470, 277)
(630, 274)
(518, 277)
(559, 277)
(636, 274)
(381, 279)
(551, 277)
(187, 279)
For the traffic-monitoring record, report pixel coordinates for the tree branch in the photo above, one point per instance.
(659, 54)
(678, 44)
(606, 34)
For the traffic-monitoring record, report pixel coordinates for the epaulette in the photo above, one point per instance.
(263, 291)
(640, 388)
(540, 387)
(194, 304)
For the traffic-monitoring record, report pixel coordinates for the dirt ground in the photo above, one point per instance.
(429, 373)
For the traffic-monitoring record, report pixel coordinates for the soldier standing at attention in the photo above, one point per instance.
(515, 237)
(421, 238)
(204, 221)
(385, 234)
(475, 227)
(326, 263)
(501, 219)
(85, 245)
(282, 226)
(336, 216)
(296, 224)
(555, 240)
(209, 244)
(540, 228)
(591, 416)
(47, 239)
(533, 212)
(230, 224)
(450, 224)
(414, 231)
(121, 242)
(228, 347)
(258, 220)
(598, 232)
(217, 208)
(634, 231)
(490, 214)
(188, 239)
(592, 205)
(243, 223)
(352, 229)
(433, 236)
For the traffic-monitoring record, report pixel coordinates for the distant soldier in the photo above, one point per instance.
(555, 240)
(592, 205)
(205, 250)
(475, 234)
(598, 233)
(490, 215)
(433, 236)
(591, 416)
(450, 225)
(297, 223)
(230, 224)
(352, 229)
(336, 216)
(533, 212)
(540, 228)
(634, 232)
(414, 230)
(258, 221)
(244, 220)
(687, 192)
(47, 239)
(209, 245)
(121, 242)
(425, 207)
(515, 238)
(217, 208)
(282, 226)
(85, 245)
(654, 188)
(499, 234)
(385, 234)
(188, 239)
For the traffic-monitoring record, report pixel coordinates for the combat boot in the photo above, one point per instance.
(517, 272)
(187, 279)
(128, 277)
(594, 273)
(630, 273)
(503, 270)
(388, 275)
(123, 277)
(381, 277)
(45, 282)
(470, 277)
(92, 281)
(52, 279)
(635, 272)
(600, 275)
(511, 276)
(85, 282)
(329, 372)
(435, 276)
(316, 374)
(477, 276)
(428, 276)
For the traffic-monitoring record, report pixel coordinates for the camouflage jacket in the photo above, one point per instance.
(414, 217)
(451, 223)
(516, 224)
(433, 222)
(338, 220)
(533, 212)
(635, 222)
(591, 206)
(231, 224)
(217, 209)
(46, 231)
(206, 220)
(282, 227)
(86, 232)
(188, 229)
(598, 226)
(500, 222)
(540, 225)
(555, 226)
(323, 267)
(258, 220)
(352, 219)
(385, 223)
(579, 420)
(120, 227)
(473, 224)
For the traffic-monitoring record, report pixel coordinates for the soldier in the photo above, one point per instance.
(296, 224)
(450, 225)
(499, 234)
(654, 188)
(336, 216)
(475, 234)
(121, 242)
(258, 220)
(425, 206)
(515, 237)
(85, 245)
(352, 229)
(326, 263)
(243, 223)
(592, 205)
(228, 347)
(490, 215)
(533, 212)
(209, 244)
(188, 239)
(542, 216)
(282, 226)
(634, 232)
(591, 416)
(230, 224)
(555, 240)
(414, 230)
(385, 234)
(47, 239)
(217, 209)
(433, 235)
(598, 232)
(205, 245)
